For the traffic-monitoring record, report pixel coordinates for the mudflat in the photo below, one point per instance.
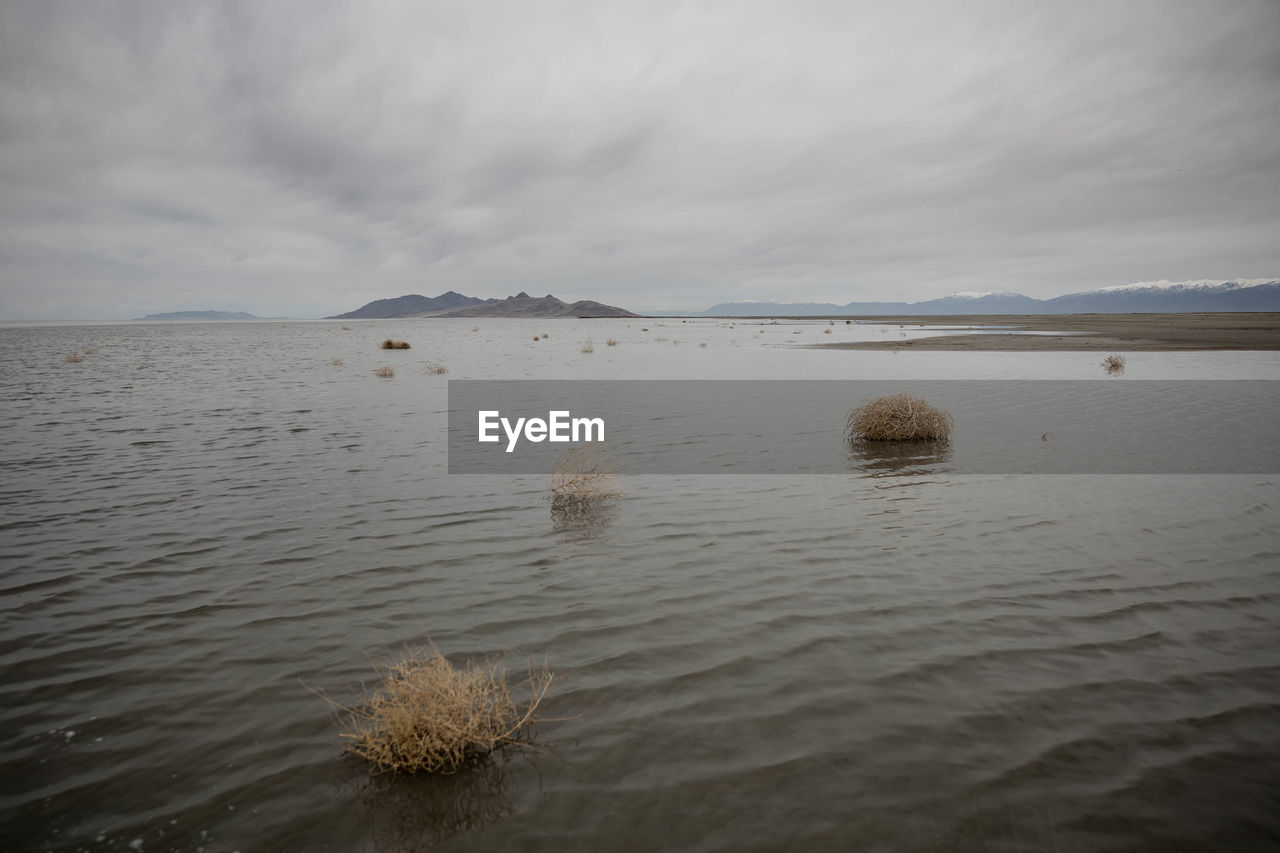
(1131, 332)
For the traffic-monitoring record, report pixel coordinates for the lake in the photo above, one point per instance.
(205, 524)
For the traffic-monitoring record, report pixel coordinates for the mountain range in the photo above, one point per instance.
(205, 315)
(1162, 297)
(453, 304)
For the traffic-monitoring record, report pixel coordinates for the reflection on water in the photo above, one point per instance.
(409, 813)
(582, 517)
(899, 458)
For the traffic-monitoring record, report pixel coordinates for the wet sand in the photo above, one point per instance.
(1120, 332)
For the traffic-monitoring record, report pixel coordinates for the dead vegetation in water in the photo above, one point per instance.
(583, 489)
(588, 347)
(611, 342)
(385, 372)
(583, 473)
(899, 417)
(74, 358)
(428, 715)
(434, 369)
(390, 344)
(1113, 364)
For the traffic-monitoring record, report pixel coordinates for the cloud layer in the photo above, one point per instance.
(305, 158)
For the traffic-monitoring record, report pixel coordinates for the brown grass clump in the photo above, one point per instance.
(1114, 363)
(385, 372)
(899, 417)
(583, 473)
(74, 358)
(390, 344)
(587, 347)
(434, 369)
(428, 715)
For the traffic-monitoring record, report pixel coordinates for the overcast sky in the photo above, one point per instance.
(304, 158)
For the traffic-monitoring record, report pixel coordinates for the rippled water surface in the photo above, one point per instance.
(204, 523)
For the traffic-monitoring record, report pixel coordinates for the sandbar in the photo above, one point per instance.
(1090, 332)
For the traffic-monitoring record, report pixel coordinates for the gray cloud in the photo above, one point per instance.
(303, 158)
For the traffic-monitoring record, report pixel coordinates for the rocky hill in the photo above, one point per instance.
(453, 304)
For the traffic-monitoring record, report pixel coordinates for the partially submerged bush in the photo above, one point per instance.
(583, 473)
(390, 344)
(429, 715)
(385, 372)
(1114, 363)
(899, 417)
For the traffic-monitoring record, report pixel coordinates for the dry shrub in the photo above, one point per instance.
(429, 715)
(611, 342)
(583, 474)
(390, 344)
(899, 417)
(1114, 363)
(434, 369)
(587, 347)
(385, 372)
(74, 358)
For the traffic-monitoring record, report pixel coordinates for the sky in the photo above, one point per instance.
(303, 158)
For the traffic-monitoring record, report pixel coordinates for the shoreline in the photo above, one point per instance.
(1091, 332)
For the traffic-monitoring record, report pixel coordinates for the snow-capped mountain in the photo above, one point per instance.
(1148, 297)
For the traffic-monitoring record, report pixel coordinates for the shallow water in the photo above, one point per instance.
(203, 521)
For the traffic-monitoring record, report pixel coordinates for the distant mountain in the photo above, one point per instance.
(1161, 297)
(453, 304)
(411, 305)
(205, 315)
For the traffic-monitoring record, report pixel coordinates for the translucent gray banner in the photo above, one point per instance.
(798, 427)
